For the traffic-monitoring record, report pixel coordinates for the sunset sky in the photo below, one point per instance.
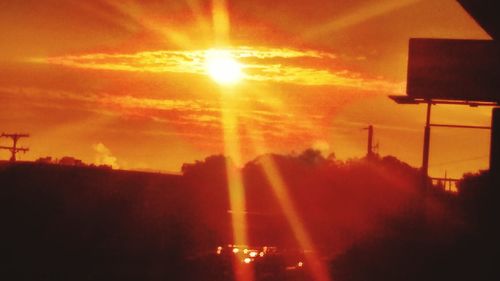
(126, 82)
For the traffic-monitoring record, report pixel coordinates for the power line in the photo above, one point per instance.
(460, 160)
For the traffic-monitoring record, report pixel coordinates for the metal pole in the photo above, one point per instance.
(495, 145)
(427, 136)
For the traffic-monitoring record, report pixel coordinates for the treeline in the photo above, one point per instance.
(338, 201)
(452, 237)
(370, 217)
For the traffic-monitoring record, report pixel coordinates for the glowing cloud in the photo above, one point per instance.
(279, 65)
(103, 156)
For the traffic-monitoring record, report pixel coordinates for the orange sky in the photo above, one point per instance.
(124, 82)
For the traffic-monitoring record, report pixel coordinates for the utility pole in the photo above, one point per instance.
(369, 151)
(14, 149)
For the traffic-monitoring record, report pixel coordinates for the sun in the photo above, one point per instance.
(223, 67)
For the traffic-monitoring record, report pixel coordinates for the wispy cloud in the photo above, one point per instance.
(107, 99)
(179, 112)
(280, 65)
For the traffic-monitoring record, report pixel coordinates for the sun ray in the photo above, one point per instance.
(363, 14)
(280, 190)
(136, 13)
(201, 20)
(235, 184)
(220, 21)
(120, 21)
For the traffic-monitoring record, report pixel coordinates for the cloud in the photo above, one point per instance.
(110, 100)
(103, 156)
(190, 118)
(281, 65)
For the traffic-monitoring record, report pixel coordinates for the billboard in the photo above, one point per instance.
(465, 70)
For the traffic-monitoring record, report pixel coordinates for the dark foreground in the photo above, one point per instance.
(84, 223)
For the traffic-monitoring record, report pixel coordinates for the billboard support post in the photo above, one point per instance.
(495, 145)
(425, 154)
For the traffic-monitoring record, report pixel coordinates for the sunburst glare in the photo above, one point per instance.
(223, 67)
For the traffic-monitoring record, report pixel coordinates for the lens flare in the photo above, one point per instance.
(223, 67)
